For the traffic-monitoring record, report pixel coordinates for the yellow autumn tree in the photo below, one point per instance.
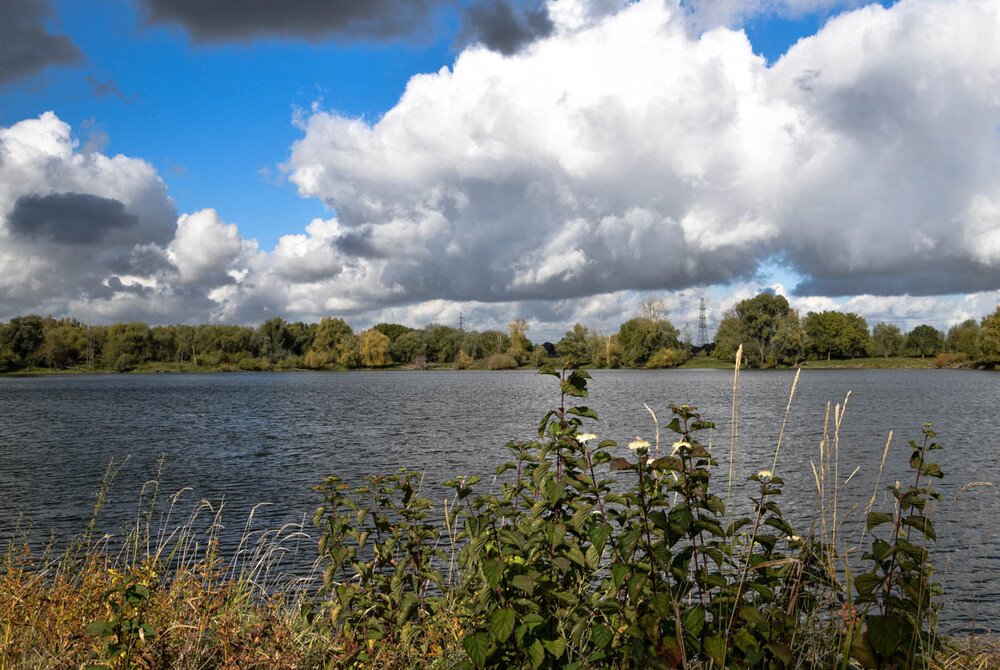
(375, 350)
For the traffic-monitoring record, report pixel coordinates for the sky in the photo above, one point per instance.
(186, 161)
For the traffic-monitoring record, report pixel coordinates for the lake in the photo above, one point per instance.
(269, 437)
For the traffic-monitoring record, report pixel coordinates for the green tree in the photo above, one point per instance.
(989, 337)
(834, 334)
(409, 346)
(730, 334)
(274, 341)
(333, 338)
(23, 337)
(443, 342)
(925, 340)
(574, 347)
(392, 330)
(887, 340)
(300, 337)
(964, 338)
(641, 337)
(126, 345)
(759, 319)
(492, 342)
(790, 340)
(64, 344)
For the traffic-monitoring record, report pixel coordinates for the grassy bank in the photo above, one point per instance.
(582, 553)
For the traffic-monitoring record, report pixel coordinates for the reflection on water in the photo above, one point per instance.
(251, 438)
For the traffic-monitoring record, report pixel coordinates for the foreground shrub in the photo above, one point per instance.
(583, 558)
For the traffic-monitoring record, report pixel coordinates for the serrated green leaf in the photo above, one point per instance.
(537, 653)
(583, 411)
(493, 570)
(502, 624)
(921, 523)
(524, 583)
(876, 519)
(601, 635)
(555, 647)
(866, 583)
(476, 646)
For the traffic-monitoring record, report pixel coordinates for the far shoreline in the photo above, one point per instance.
(694, 363)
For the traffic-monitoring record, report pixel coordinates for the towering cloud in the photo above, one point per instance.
(625, 154)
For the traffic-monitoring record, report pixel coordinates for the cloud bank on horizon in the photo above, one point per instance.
(609, 150)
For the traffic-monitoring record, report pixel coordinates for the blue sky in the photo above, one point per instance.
(254, 131)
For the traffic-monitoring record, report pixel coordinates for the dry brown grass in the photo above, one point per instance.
(978, 653)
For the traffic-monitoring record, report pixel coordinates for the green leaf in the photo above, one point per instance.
(876, 519)
(601, 635)
(99, 628)
(745, 641)
(618, 573)
(885, 633)
(862, 652)
(866, 583)
(716, 648)
(681, 518)
(476, 646)
(782, 651)
(694, 620)
(753, 615)
(524, 583)
(545, 422)
(575, 386)
(583, 411)
(663, 606)
(502, 624)
(599, 535)
(555, 647)
(492, 570)
(537, 653)
(921, 523)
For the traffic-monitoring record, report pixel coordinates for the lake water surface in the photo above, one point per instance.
(269, 437)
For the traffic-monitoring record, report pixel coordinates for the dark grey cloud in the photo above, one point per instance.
(103, 88)
(504, 27)
(939, 279)
(359, 243)
(142, 260)
(68, 218)
(218, 21)
(498, 24)
(26, 45)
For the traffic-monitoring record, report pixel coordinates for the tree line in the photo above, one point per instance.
(43, 342)
(773, 334)
(770, 332)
